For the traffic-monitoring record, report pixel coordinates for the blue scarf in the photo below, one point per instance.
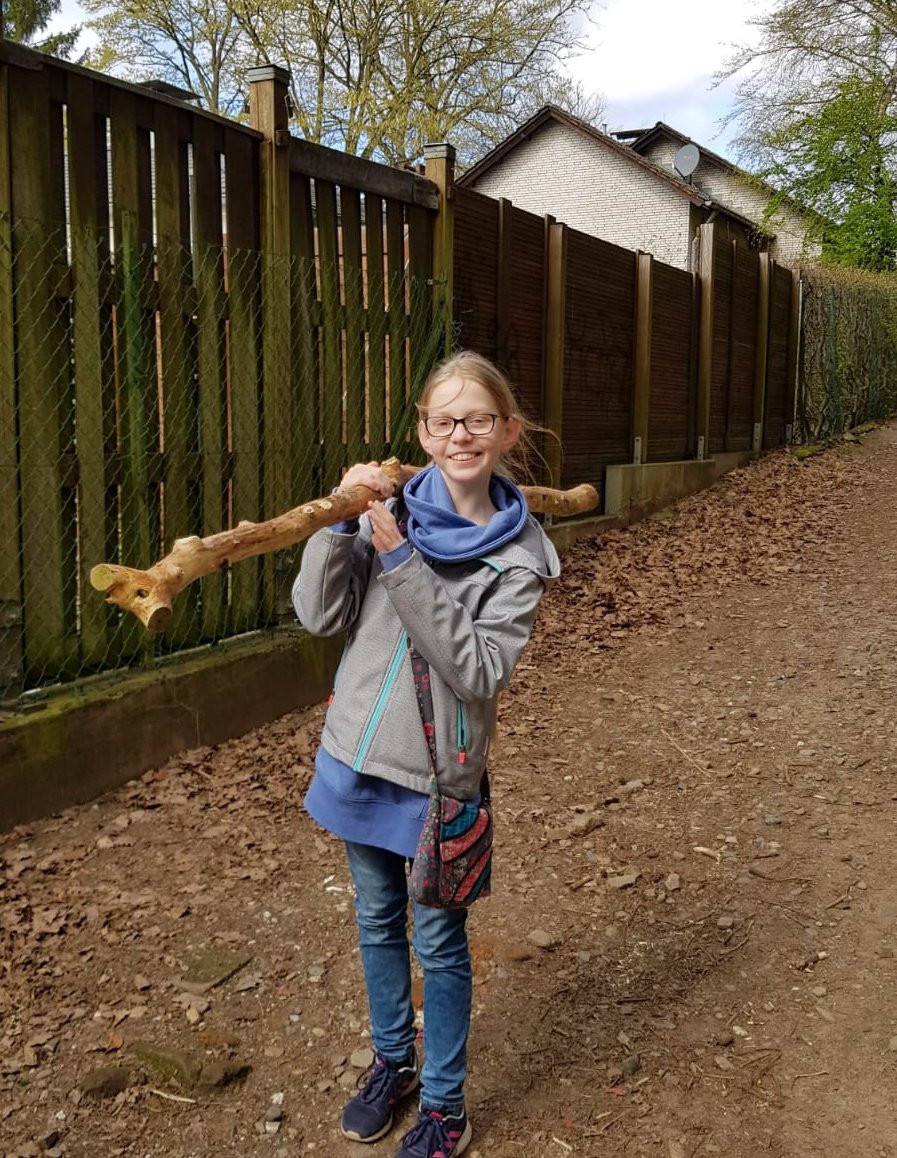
(439, 532)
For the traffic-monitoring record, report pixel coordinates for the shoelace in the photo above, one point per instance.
(431, 1127)
(380, 1077)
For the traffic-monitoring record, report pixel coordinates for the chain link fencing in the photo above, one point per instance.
(151, 391)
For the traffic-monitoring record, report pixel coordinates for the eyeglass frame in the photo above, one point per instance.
(456, 422)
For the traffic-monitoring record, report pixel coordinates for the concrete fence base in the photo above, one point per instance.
(75, 746)
(633, 492)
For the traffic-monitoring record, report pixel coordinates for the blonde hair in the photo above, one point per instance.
(468, 366)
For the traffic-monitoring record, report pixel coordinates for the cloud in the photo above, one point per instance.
(641, 47)
(694, 109)
(654, 60)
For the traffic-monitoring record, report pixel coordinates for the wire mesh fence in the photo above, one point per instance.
(150, 391)
(848, 371)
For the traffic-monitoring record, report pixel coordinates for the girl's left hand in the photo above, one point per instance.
(385, 530)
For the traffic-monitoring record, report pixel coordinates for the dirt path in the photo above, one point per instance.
(691, 949)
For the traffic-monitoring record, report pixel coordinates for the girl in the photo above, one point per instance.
(464, 587)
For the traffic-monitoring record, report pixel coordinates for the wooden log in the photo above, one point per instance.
(149, 594)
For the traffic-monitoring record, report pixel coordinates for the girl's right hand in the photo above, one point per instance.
(370, 475)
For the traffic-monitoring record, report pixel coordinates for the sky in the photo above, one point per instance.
(651, 60)
(654, 60)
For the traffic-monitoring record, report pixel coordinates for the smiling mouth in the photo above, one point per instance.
(467, 456)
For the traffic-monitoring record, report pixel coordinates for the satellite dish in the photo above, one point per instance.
(686, 160)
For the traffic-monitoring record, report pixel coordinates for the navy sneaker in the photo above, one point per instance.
(436, 1135)
(370, 1113)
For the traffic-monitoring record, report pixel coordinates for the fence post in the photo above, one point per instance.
(553, 376)
(440, 169)
(644, 315)
(10, 591)
(727, 390)
(503, 291)
(705, 338)
(794, 328)
(42, 375)
(269, 114)
(762, 350)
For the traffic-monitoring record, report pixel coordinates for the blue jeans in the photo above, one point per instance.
(440, 944)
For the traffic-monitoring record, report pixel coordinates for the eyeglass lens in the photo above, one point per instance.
(442, 426)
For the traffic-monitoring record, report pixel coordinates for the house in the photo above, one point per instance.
(723, 181)
(626, 190)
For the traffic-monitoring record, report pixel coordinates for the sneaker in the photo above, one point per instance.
(436, 1135)
(370, 1113)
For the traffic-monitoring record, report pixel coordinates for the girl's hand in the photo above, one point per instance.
(385, 533)
(370, 475)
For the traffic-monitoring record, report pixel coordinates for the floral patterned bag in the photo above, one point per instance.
(452, 866)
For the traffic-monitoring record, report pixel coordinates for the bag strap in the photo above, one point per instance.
(420, 669)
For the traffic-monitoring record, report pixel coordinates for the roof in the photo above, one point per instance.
(639, 139)
(644, 138)
(551, 113)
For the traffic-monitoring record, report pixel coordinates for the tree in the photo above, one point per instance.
(378, 78)
(818, 119)
(25, 20)
(195, 44)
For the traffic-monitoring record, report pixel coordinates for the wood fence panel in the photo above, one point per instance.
(207, 257)
(377, 324)
(93, 382)
(330, 165)
(11, 651)
(145, 274)
(672, 396)
(305, 343)
(355, 327)
(135, 346)
(503, 279)
(42, 357)
(779, 360)
(600, 333)
(742, 348)
(525, 339)
(243, 355)
(176, 319)
(476, 271)
(396, 288)
(332, 416)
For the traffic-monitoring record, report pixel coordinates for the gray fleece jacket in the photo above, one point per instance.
(469, 620)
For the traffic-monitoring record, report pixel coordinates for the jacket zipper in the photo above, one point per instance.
(461, 729)
(335, 681)
(367, 735)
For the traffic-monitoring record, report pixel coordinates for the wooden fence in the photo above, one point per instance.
(628, 359)
(202, 322)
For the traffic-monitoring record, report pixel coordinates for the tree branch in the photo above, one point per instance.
(149, 594)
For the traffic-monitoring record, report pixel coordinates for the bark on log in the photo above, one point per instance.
(149, 594)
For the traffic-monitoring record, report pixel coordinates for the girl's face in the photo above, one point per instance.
(466, 459)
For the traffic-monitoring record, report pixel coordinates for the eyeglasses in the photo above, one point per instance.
(442, 426)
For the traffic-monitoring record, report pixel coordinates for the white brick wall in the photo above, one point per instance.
(593, 189)
(790, 243)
